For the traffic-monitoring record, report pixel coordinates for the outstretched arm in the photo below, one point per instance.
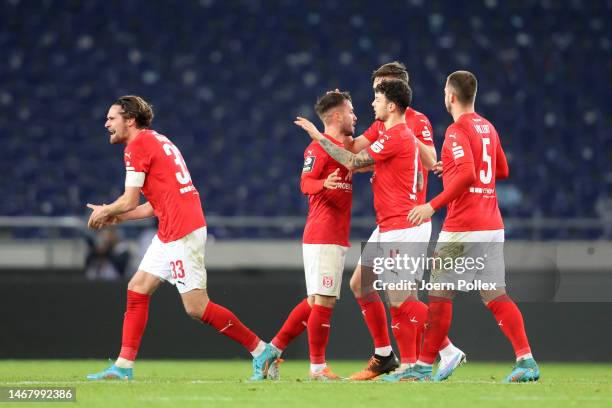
(357, 144)
(349, 160)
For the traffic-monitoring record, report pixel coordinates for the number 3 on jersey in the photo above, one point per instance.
(182, 176)
(486, 176)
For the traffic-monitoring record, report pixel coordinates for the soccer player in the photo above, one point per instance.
(472, 159)
(329, 188)
(155, 166)
(394, 157)
(408, 316)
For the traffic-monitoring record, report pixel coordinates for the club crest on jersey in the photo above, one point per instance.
(328, 282)
(309, 162)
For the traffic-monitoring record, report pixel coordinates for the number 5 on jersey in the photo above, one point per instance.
(486, 176)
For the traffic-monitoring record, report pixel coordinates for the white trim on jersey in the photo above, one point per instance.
(134, 179)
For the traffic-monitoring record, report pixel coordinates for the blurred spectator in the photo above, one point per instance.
(108, 257)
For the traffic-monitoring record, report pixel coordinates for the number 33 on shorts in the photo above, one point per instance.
(177, 269)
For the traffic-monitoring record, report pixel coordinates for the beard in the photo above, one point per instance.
(348, 130)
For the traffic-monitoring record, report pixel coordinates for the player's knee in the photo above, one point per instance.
(325, 301)
(488, 295)
(195, 310)
(137, 285)
(143, 283)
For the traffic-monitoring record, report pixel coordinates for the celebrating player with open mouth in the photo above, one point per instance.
(155, 166)
(329, 187)
(472, 159)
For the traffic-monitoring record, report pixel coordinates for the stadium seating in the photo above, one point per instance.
(227, 78)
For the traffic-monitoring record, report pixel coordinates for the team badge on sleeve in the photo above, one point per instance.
(309, 162)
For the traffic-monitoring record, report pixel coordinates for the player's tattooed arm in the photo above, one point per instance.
(349, 160)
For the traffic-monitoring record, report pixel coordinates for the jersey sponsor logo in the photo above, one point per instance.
(378, 145)
(482, 190)
(345, 186)
(128, 154)
(457, 151)
(426, 133)
(309, 162)
(187, 189)
(328, 282)
(453, 136)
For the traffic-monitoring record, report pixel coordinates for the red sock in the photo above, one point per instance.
(413, 315)
(510, 321)
(373, 312)
(228, 324)
(134, 324)
(294, 325)
(438, 324)
(318, 332)
(405, 333)
(417, 312)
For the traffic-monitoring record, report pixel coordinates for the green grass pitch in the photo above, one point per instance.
(173, 383)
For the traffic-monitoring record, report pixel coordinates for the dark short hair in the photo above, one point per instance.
(464, 85)
(393, 69)
(136, 107)
(396, 91)
(330, 100)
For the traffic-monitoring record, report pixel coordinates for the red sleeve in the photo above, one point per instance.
(373, 131)
(464, 177)
(502, 170)
(459, 145)
(314, 162)
(384, 148)
(424, 132)
(136, 157)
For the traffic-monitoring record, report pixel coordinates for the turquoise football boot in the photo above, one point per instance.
(113, 373)
(396, 375)
(418, 373)
(525, 370)
(262, 363)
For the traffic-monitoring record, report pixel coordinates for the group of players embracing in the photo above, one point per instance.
(398, 149)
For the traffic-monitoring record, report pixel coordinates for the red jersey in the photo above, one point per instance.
(329, 211)
(394, 182)
(472, 139)
(167, 186)
(422, 130)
